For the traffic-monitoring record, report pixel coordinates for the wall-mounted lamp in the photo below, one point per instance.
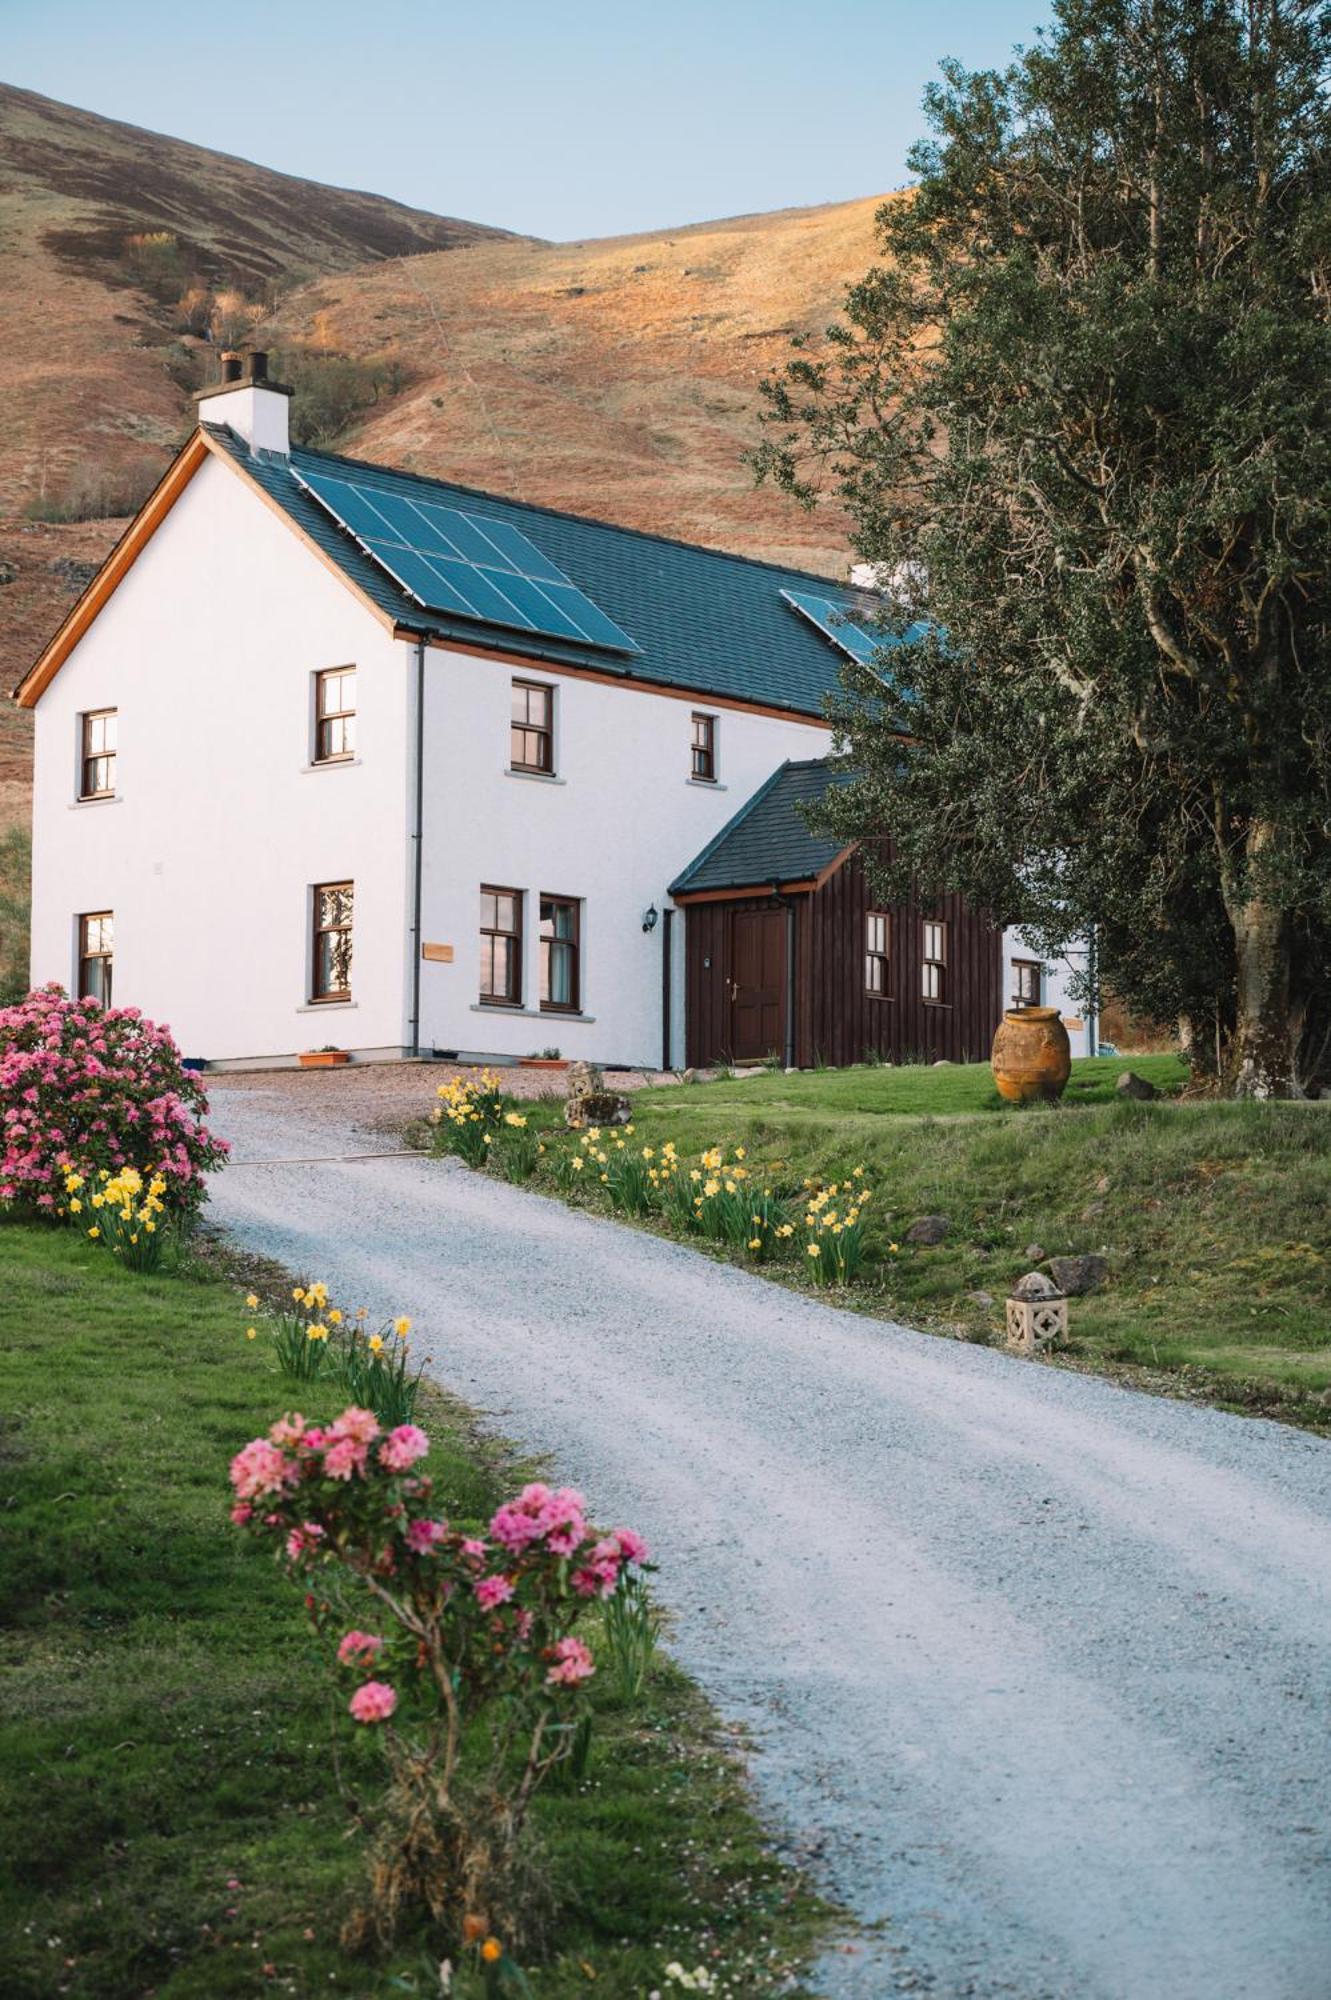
(649, 917)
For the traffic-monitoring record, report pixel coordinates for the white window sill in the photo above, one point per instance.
(707, 784)
(83, 805)
(529, 1013)
(331, 764)
(535, 777)
(328, 1007)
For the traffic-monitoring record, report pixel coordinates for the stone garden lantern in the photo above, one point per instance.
(1037, 1314)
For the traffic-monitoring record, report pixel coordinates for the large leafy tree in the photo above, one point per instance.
(1080, 416)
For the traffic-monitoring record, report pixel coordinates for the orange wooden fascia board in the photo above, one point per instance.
(696, 698)
(112, 572)
(837, 861)
(376, 611)
(801, 888)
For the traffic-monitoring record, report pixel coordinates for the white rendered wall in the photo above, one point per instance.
(613, 829)
(1055, 979)
(219, 829)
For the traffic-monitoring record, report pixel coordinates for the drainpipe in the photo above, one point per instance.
(667, 931)
(417, 851)
(1092, 996)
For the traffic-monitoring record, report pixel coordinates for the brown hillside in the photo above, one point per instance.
(92, 362)
(617, 377)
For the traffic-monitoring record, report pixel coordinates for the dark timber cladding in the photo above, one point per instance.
(777, 938)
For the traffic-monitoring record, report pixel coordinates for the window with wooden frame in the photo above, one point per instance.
(877, 944)
(501, 947)
(96, 954)
(1026, 982)
(532, 732)
(97, 758)
(335, 715)
(933, 963)
(704, 748)
(331, 962)
(559, 955)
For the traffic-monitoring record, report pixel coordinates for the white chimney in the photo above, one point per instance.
(255, 408)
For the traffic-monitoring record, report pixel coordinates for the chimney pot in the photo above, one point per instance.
(251, 405)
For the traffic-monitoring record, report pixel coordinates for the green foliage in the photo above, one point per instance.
(1081, 417)
(15, 912)
(332, 390)
(632, 1627)
(163, 1704)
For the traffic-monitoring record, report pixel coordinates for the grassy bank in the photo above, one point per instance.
(1212, 1216)
(178, 1784)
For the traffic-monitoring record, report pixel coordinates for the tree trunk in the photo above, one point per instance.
(1267, 1029)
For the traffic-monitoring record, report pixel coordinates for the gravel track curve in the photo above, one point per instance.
(1036, 1668)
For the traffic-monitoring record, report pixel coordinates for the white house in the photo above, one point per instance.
(334, 755)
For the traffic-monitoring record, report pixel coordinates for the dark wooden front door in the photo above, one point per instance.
(757, 984)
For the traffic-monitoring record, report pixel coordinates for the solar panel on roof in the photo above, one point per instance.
(466, 565)
(835, 623)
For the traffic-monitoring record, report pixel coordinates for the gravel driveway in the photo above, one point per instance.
(1037, 1668)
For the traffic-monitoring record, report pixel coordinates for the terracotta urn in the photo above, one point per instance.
(1031, 1056)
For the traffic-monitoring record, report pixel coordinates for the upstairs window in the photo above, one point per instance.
(501, 947)
(933, 966)
(532, 733)
(97, 764)
(333, 906)
(96, 953)
(559, 954)
(704, 749)
(1026, 982)
(877, 935)
(335, 715)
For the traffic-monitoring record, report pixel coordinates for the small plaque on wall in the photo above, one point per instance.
(438, 954)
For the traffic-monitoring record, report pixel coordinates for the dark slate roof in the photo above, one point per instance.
(713, 623)
(769, 840)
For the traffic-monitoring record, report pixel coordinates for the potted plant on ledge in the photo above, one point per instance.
(547, 1059)
(327, 1057)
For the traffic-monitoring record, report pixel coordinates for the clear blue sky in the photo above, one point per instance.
(561, 120)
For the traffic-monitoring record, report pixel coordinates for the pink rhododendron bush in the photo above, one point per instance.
(86, 1089)
(458, 1648)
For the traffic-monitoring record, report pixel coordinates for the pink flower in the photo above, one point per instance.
(360, 1425)
(303, 1541)
(344, 1458)
(572, 1663)
(241, 1513)
(288, 1430)
(493, 1590)
(402, 1447)
(473, 1550)
(373, 1702)
(260, 1468)
(632, 1547)
(360, 1649)
(422, 1536)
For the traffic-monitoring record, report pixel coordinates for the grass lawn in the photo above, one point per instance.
(1213, 1216)
(177, 1782)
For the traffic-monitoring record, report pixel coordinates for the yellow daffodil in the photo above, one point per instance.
(251, 1333)
(402, 1327)
(376, 1344)
(253, 1302)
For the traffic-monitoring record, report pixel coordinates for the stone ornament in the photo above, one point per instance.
(1037, 1314)
(589, 1102)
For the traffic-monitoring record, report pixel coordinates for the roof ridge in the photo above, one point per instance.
(566, 514)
